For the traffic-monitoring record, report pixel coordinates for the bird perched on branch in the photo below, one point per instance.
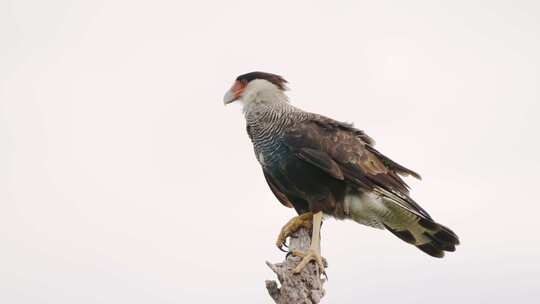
(318, 165)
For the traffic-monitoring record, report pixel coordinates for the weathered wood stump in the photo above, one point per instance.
(305, 287)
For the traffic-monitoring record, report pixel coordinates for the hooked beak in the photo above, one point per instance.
(234, 93)
(228, 98)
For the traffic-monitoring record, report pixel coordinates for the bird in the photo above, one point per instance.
(323, 167)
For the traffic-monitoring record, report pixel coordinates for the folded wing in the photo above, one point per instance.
(347, 153)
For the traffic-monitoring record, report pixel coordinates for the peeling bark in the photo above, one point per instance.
(303, 288)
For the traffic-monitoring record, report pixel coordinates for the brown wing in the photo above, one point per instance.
(347, 153)
(280, 196)
(321, 160)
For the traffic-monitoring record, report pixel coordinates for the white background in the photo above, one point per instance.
(124, 179)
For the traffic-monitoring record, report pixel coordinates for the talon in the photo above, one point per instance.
(314, 251)
(303, 220)
(310, 255)
(281, 248)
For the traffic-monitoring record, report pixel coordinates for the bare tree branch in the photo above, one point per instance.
(303, 288)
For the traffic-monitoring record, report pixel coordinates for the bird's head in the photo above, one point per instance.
(254, 86)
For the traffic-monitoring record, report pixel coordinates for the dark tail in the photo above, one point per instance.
(428, 236)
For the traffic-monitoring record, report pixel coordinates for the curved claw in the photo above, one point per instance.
(303, 220)
(310, 255)
(280, 244)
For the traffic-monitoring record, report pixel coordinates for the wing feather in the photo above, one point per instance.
(347, 153)
(321, 160)
(282, 198)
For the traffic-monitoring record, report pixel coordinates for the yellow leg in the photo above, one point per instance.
(303, 220)
(314, 251)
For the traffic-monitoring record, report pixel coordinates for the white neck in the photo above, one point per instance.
(261, 91)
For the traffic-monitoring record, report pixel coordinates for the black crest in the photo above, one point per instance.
(273, 78)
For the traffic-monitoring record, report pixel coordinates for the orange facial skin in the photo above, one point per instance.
(237, 89)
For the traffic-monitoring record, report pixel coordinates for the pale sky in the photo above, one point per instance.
(124, 179)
